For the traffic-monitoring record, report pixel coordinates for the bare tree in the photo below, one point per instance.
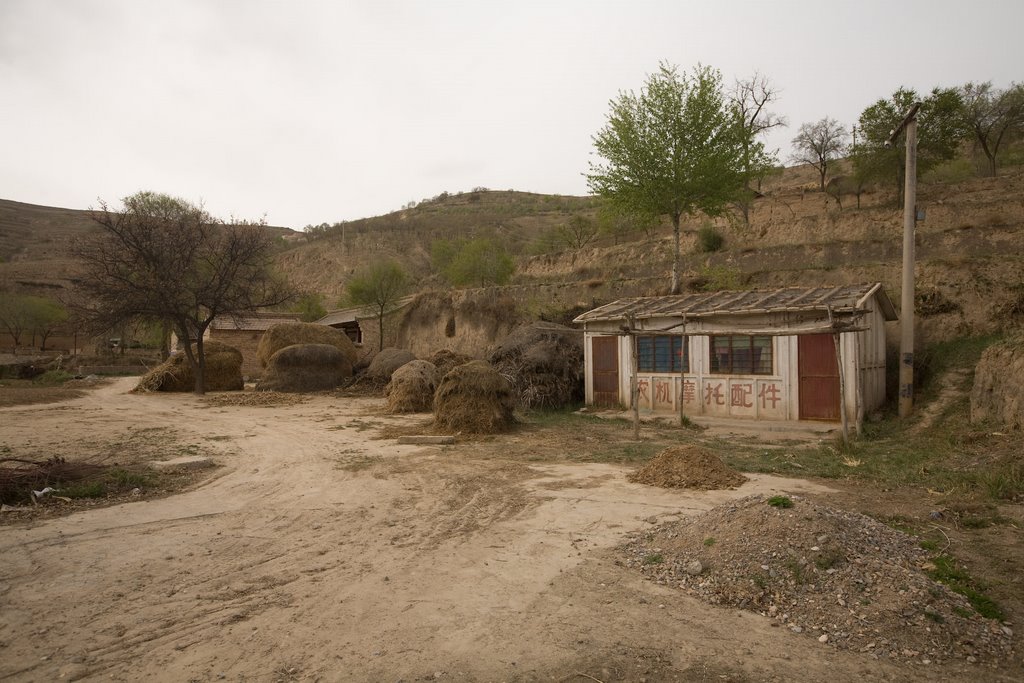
(819, 144)
(751, 99)
(995, 116)
(578, 232)
(165, 259)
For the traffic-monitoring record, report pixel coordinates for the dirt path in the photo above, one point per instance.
(319, 553)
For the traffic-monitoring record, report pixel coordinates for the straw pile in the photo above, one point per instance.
(412, 387)
(446, 359)
(386, 362)
(287, 334)
(544, 364)
(223, 371)
(305, 367)
(475, 399)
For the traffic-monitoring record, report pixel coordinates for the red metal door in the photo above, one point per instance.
(819, 377)
(605, 352)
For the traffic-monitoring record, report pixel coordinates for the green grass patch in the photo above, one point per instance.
(948, 572)
(654, 558)
(709, 541)
(52, 378)
(780, 502)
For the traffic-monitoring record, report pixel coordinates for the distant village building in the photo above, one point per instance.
(760, 355)
(362, 327)
(244, 333)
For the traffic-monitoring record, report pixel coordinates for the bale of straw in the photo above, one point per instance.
(222, 371)
(387, 361)
(446, 359)
(288, 334)
(412, 387)
(473, 398)
(305, 367)
(544, 363)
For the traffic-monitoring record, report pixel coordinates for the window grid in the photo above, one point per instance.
(740, 354)
(662, 353)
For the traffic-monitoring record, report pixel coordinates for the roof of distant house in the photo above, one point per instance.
(254, 323)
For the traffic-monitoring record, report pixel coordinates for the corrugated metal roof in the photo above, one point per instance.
(705, 304)
(347, 315)
(255, 323)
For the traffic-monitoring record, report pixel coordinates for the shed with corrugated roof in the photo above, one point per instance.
(796, 353)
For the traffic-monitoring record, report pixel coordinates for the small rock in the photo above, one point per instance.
(823, 638)
(1008, 631)
(694, 567)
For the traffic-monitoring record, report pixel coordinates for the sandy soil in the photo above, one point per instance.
(319, 552)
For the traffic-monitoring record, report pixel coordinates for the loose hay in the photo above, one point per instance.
(544, 364)
(687, 467)
(446, 359)
(473, 398)
(289, 334)
(384, 364)
(222, 372)
(412, 388)
(305, 367)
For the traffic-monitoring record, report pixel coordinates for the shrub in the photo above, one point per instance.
(709, 239)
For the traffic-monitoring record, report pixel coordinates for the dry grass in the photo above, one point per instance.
(289, 334)
(305, 368)
(475, 399)
(544, 364)
(412, 388)
(223, 371)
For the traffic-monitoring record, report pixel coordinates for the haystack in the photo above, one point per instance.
(446, 359)
(412, 388)
(306, 367)
(222, 371)
(474, 398)
(386, 362)
(544, 364)
(687, 467)
(287, 334)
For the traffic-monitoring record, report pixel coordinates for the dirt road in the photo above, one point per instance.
(318, 552)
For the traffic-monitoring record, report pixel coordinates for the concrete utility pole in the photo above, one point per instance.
(906, 405)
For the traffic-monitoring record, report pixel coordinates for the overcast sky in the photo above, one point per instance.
(319, 111)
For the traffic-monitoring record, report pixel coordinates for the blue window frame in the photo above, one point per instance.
(662, 353)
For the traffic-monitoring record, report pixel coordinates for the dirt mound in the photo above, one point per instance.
(473, 398)
(544, 364)
(288, 334)
(305, 367)
(999, 384)
(687, 467)
(412, 388)
(386, 362)
(840, 577)
(446, 359)
(222, 372)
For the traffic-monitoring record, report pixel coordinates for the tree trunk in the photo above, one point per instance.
(675, 255)
(165, 340)
(380, 329)
(200, 367)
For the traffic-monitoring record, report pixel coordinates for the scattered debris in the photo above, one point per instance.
(845, 579)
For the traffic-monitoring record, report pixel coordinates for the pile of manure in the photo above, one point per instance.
(288, 334)
(544, 363)
(222, 372)
(412, 388)
(305, 367)
(474, 399)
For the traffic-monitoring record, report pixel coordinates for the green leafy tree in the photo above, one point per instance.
(994, 116)
(676, 148)
(46, 316)
(818, 145)
(162, 258)
(380, 286)
(310, 307)
(479, 262)
(15, 316)
(942, 126)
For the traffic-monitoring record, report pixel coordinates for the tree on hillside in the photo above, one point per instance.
(46, 315)
(578, 231)
(994, 116)
(164, 259)
(676, 148)
(818, 145)
(15, 317)
(381, 286)
(310, 307)
(751, 98)
(479, 262)
(941, 128)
